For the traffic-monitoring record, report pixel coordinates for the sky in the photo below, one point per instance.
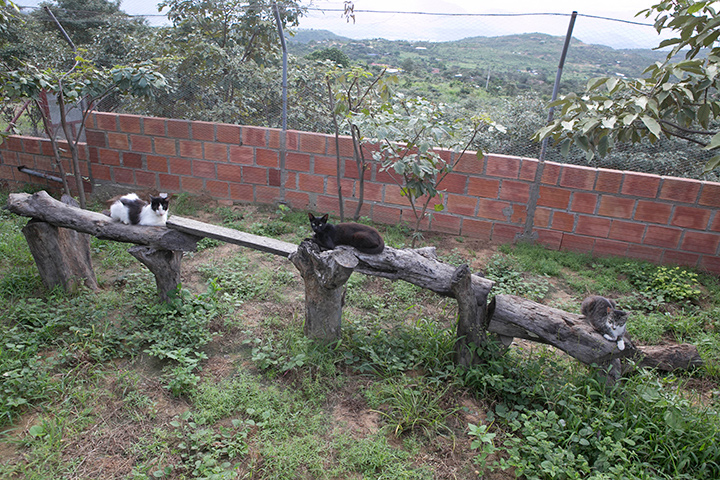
(393, 24)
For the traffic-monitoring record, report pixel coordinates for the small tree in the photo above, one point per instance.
(83, 87)
(410, 135)
(678, 97)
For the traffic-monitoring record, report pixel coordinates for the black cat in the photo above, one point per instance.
(328, 236)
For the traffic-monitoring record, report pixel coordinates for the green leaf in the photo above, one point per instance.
(652, 125)
(714, 142)
(712, 164)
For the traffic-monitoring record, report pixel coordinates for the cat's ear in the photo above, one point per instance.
(311, 216)
(324, 218)
(609, 309)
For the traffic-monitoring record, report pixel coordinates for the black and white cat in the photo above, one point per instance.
(604, 318)
(131, 210)
(328, 236)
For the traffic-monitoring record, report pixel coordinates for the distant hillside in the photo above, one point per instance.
(527, 60)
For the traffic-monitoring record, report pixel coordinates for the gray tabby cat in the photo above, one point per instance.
(604, 318)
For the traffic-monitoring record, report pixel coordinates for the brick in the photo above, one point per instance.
(576, 243)
(145, 179)
(106, 121)
(461, 204)
(124, 175)
(299, 162)
(165, 146)
(216, 151)
(502, 166)
(690, 217)
(662, 236)
(141, 143)
(228, 133)
(203, 169)
(453, 183)
(292, 139)
(551, 173)
(513, 191)
(217, 189)
(178, 129)
(267, 194)
(273, 138)
(610, 248)
(13, 143)
(102, 172)
(313, 143)
(626, 231)
(715, 223)
(169, 183)
(327, 204)
(483, 187)
(505, 233)
(387, 215)
(528, 169)
(156, 163)
(387, 176)
(298, 200)
(191, 149)
(476, 229)
(347, 186)
(445, 223)
(710, 263)
(549, 238)
(393, 195)
(346, 146)
(582, 202)
(616, 207)
(469, 163)
(242, 155)
(242, 192)
(700, 242)
(608, 181)
(494, 210)
(253, 136)
(154, 126)
(562, 221)
(592, 226)
(180, 166)
(129, 123)
(274, 177)
(95, 138)
(132, 160)
(640, 184)
(192, 184)
(255, 175)
(325, 165)
(373, 192)
(542, 217)
(642, 252)
(710, 195)
(203, 131)
(229, 173)
(291, 180)
(31, 145)
(577, 176)
(681, 258)
(351, 170)
(108, 157)
(652, 212)
(267, 158)
(680, 190)
(554, 197)
(118, 141)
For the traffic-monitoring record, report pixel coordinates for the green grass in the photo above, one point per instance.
(222, 382)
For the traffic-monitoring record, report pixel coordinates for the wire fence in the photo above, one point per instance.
(477, 63)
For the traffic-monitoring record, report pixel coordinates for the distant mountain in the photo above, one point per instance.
(307, 36)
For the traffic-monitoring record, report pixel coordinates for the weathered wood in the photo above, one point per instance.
(521, 318)
(201, 229)
(164, 264)
(43, 207)
(324, 275)
(419, 267)
(471, 324)
(669, 358)
(61, 255)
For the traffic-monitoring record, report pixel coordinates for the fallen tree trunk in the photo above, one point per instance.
(669, 358)
(42, 206)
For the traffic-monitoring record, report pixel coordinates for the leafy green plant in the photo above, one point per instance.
(483, 440)
(510, 279)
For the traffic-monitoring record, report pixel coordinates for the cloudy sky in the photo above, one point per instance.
(455, 19)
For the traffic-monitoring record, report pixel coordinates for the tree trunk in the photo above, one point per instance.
(164, 264)
(471, 324)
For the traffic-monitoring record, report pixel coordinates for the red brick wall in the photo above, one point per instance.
(604, 212)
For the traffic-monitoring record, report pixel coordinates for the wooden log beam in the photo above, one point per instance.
(164, 264)
(43, 207)
(229, 235)
(522, 318)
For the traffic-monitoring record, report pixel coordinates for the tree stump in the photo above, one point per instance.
(164, 264)
(324, 275)
(471, 323)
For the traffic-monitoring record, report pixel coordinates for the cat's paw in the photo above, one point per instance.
(609, 337)
(621, 344)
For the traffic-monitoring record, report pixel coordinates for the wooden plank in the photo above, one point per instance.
(229, 235)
